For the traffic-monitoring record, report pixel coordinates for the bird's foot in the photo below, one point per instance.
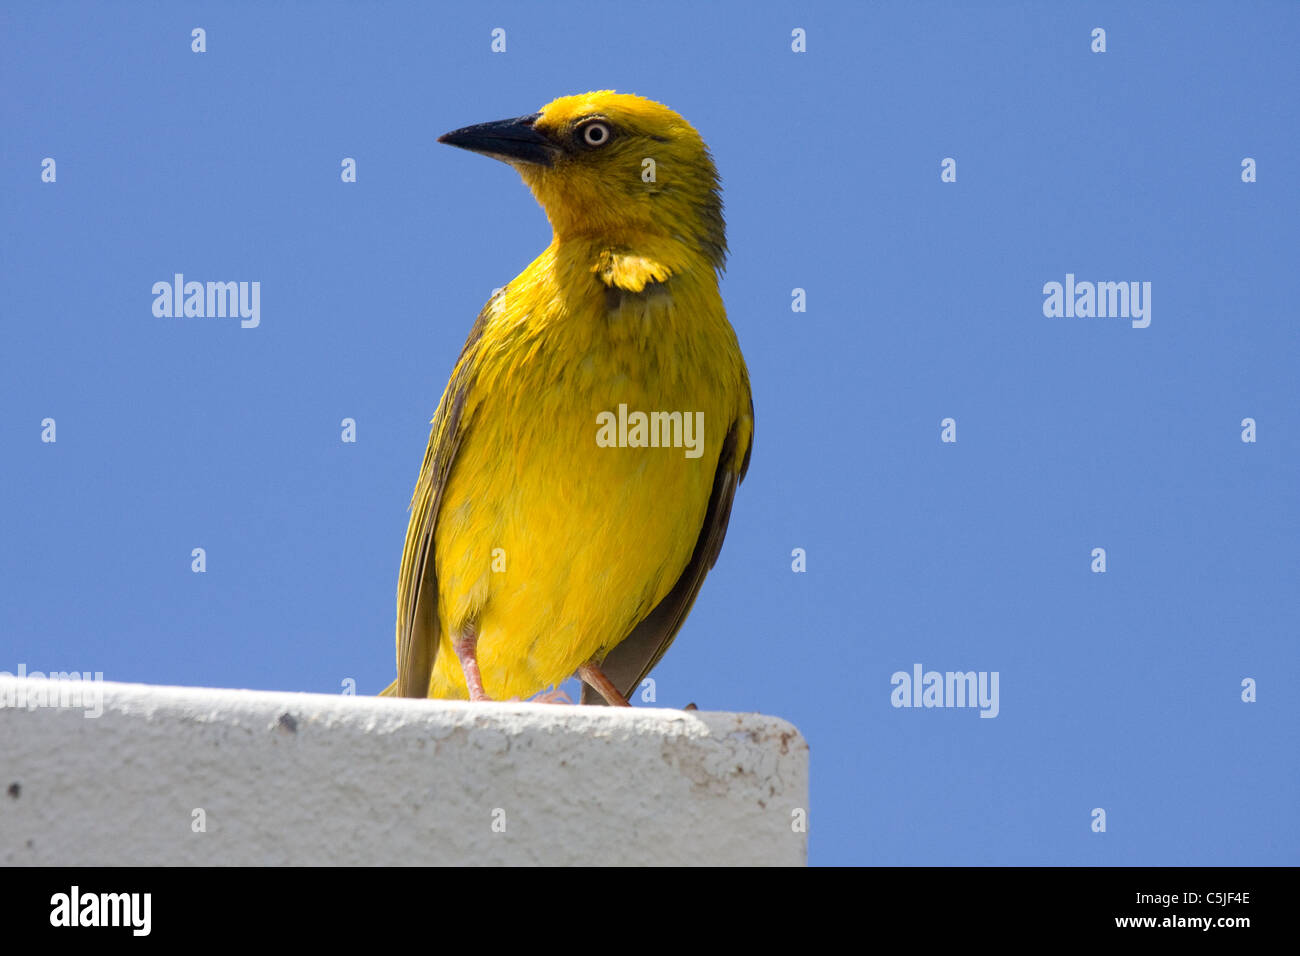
(555, 695)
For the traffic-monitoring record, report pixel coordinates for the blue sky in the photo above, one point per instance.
(1119, 690)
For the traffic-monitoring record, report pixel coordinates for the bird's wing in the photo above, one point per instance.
(417, 582)
(627, 664)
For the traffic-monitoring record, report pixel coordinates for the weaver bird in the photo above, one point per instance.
(552, 531)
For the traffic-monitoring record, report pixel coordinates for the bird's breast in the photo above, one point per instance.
(582, 481)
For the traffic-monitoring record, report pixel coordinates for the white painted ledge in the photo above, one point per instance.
(283, 778)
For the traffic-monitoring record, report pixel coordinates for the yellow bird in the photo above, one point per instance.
(585, 453)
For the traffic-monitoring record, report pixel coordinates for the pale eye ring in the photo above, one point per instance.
(596, 133)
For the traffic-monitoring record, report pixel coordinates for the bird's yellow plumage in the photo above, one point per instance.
(533, 546)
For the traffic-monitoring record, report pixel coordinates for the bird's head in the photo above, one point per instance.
(612, 167)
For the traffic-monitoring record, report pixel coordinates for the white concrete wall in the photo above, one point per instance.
(285, 778)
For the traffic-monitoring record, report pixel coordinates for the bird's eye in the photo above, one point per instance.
(595, 133)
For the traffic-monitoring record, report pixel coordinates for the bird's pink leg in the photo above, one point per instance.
(466, 646)
(593, 675)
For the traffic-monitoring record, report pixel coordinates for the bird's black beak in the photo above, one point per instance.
(512, 140)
